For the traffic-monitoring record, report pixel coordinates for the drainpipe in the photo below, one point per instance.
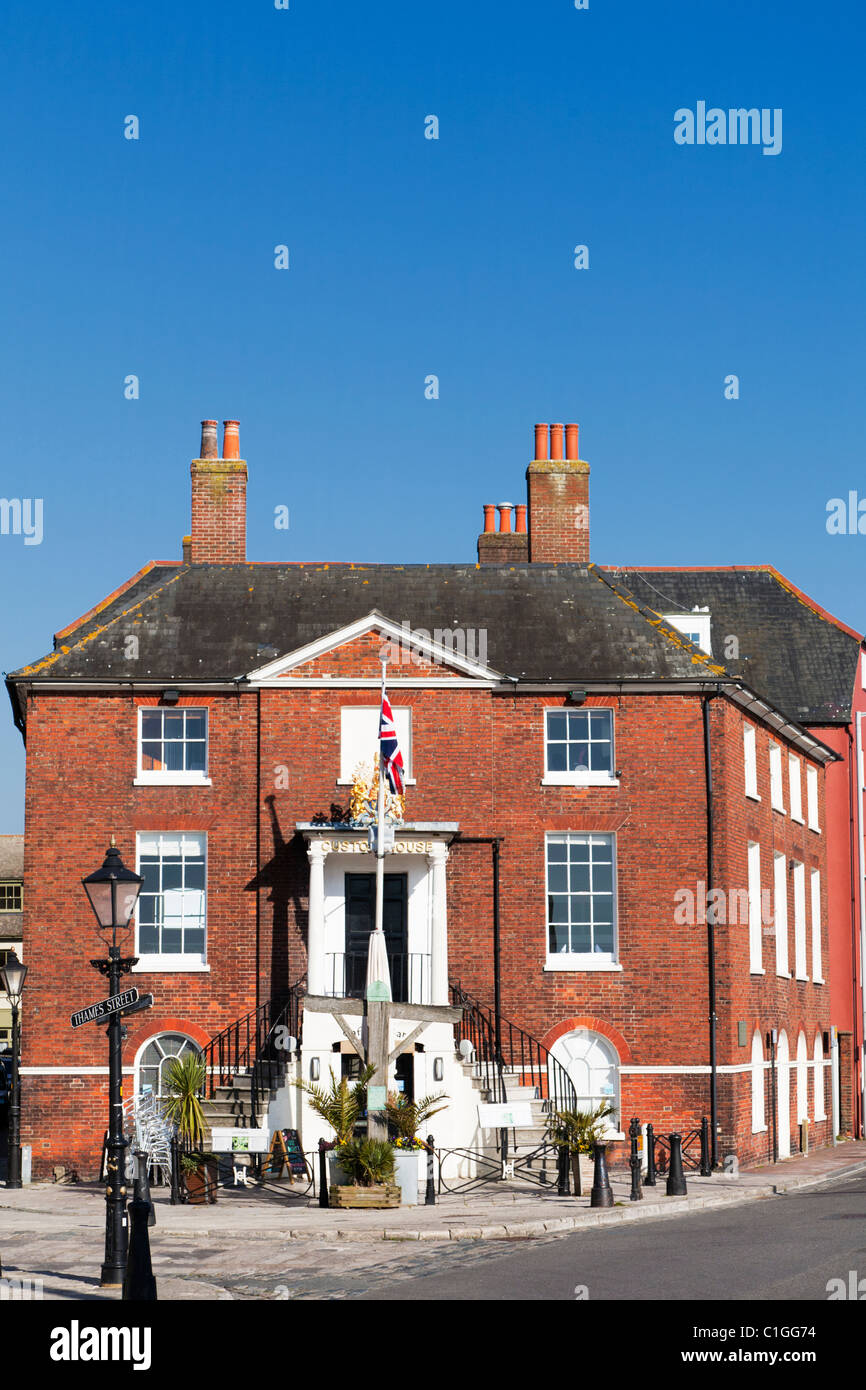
(711, 941)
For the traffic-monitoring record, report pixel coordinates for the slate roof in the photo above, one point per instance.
(799, 657)
(543, 622)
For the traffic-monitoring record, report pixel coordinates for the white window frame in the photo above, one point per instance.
(819, 1099)
(812, 798)
(802, 1078)
(815, 896)
(588, 778)
(795, 788)
(694, 625)
(403, 725)
(755, 925)
(574, 960)
(178, 963)
(780, 913)
(750, 762)
(146, 777)
(759, 1117)
(776, 782)
(799, 873)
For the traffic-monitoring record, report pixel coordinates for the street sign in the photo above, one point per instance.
(145, 1002)
(517, 1115)
(94, 1012)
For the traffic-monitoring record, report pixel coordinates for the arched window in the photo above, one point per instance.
(155, 1058)
(802, 1079)
(783, 1094)
(818, 1058)
(593, 1066)
(758, 1118)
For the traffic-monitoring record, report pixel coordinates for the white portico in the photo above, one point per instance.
(340, 860)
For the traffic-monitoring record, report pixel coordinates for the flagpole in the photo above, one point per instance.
(380, 834)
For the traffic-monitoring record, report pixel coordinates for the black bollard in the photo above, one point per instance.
(561, 1170)
(141, 1184)
(706, 1166)
(676, 1184)
(601, 1194)
(323, 1174)
(430, 1194)
(634, 1161)
(139, 1285)
(650, 1179)
(175, 1172)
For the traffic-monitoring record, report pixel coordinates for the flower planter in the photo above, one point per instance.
(336, 1176)
(587, 1173)
(201, 1183)
(410, 1174)
(371, 1198)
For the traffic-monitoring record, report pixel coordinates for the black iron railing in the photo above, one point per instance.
(255, 1045)
(346, 976)
(513, 1051)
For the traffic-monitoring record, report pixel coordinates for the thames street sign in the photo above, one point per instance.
(95, 1012)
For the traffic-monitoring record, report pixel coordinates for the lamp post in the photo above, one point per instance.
(12, 979)
(113, 892)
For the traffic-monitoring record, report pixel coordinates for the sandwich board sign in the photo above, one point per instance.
(517, 1115)
(93, 1013)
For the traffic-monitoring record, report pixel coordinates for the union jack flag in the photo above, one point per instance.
(389, 748)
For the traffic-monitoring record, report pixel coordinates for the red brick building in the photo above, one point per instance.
(210, 714)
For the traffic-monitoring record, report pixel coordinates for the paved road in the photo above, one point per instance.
(784, 1248)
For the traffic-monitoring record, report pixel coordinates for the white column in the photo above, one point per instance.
(437, 859)
(316, 919)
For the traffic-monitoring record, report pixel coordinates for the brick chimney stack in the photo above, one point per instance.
(218, 535)
(558, 490)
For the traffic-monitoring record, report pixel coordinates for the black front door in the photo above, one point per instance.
(360, 921)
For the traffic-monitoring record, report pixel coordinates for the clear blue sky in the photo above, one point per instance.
(411, 256)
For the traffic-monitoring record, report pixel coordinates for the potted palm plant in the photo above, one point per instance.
(578, 1131)
(405, 1118)
(184, 1079)
(369, 1166)
(342, 1106)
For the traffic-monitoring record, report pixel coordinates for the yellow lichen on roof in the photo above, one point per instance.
(48, 661)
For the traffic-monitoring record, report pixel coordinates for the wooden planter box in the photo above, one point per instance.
(201, 1185)
(377, 1197)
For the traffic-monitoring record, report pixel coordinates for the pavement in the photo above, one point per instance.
(53, 1231)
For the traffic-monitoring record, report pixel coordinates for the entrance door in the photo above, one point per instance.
(360, 921)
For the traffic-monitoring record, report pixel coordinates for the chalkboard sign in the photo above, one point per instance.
(294, 1152)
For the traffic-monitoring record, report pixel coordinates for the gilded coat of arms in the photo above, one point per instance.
(364, 798)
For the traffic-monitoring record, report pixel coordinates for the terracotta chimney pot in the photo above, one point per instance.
(231, 439)
(541, 442)
(489, 519)
(556, 441)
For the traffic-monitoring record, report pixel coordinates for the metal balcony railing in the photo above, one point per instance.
(346, 976)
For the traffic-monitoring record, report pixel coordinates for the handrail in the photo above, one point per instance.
(250, 1044)
(521, 1053)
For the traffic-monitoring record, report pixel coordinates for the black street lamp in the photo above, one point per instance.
(12, 980)
(113, 892)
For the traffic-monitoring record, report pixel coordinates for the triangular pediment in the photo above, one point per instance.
(353, 655)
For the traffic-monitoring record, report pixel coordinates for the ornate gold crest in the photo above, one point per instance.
(364, 797)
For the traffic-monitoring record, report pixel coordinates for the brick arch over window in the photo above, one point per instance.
(164, 1024)
(592, 1025)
